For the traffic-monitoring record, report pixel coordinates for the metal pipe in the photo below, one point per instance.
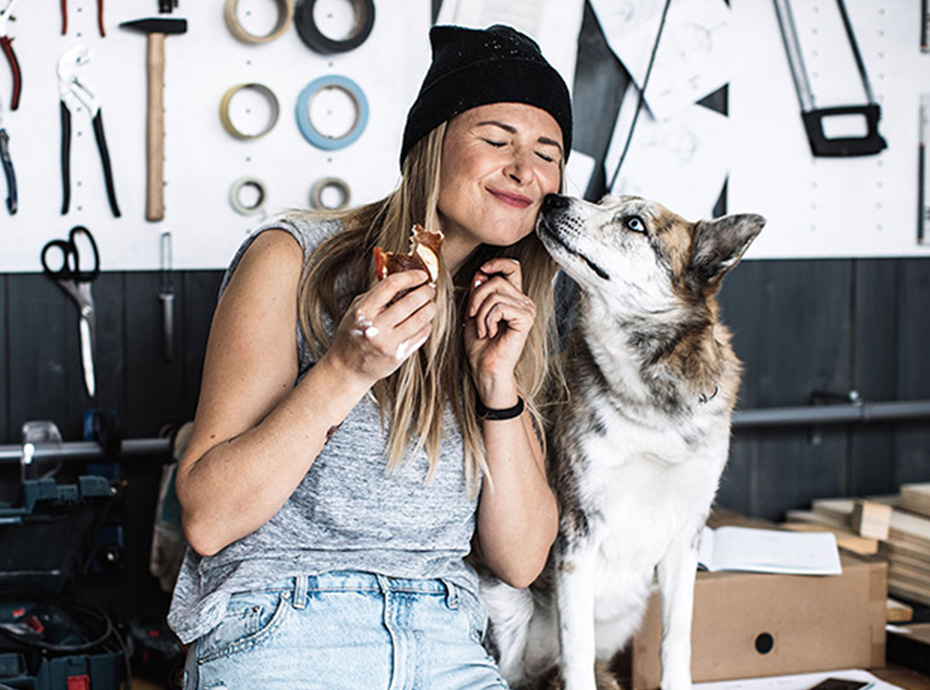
(853, 413)
(89, 450)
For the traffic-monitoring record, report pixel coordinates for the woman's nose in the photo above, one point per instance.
(518, 167)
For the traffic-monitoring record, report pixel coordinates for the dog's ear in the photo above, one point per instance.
(719, 244)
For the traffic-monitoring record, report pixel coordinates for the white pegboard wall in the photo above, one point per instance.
(828, 207)
(202, 160)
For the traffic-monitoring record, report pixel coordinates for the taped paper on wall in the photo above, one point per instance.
(684, 160)
(694, 54)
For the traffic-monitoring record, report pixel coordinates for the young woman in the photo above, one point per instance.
(336, 480)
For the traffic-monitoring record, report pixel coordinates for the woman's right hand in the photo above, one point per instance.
(384, 326)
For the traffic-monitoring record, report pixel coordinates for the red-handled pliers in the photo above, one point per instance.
(7, 44)
(64, 17)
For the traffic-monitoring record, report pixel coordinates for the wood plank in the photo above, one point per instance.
(874, 374)
(153, 385)
(913, 440)
(40, 316)
(5, 435)
(898, 611)
(864, 546)
(789, 467)
(200, 293)
(109, 297)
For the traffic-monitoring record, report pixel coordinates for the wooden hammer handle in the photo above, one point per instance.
(155, 131)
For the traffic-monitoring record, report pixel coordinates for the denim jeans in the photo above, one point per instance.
(346, 631)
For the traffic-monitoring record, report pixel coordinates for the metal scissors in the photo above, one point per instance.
(76, 283)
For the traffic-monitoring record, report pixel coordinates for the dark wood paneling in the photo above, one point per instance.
(4, 360)
(200, 294)
(153, 384)
(792, 329)
(40, 318)
(874, 374)
(109, 297)
(913, 440)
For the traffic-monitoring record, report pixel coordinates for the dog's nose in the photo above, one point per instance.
(554, 202)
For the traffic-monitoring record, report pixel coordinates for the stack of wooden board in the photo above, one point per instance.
(907, 547)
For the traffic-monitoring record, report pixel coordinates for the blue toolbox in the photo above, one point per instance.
(46, 641)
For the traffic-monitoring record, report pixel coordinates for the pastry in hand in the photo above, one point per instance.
(424, 255)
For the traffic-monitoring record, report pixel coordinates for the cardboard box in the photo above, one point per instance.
(749, 624)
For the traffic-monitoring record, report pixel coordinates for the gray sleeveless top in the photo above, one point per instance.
(348, 512)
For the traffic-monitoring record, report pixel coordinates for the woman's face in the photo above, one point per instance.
(499, 161)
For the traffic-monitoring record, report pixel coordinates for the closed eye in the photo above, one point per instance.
(548, 159)
(496, 144)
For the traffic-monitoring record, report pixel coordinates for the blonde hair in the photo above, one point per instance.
(416, 396)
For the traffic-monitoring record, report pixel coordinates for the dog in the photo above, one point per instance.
(637, 447)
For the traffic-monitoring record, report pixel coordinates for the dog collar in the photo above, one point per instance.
(703, 399)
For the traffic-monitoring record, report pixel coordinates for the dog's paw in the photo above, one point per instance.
(606, 680)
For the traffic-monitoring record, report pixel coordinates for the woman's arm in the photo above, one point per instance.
(255, 433)
(517, 511)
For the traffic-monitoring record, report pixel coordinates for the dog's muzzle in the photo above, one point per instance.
(552, 215)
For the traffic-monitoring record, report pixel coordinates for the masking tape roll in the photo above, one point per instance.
(311, 133)
(313, 38)
(235, 196)
(226, 118)
(285, 17)
(321, 185)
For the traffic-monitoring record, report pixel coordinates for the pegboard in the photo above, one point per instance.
(828, 207)
(202, 160)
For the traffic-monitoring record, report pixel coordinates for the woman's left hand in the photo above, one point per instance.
(498, 320)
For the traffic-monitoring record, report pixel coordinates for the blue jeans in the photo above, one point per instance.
(346, 630)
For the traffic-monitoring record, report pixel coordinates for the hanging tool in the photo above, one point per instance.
(73, 94)
(64, 18)
(12, 201)
(76, 283)
(166, 295)
(7, 44)
(813, 117)
(167, 6)
(156, 29)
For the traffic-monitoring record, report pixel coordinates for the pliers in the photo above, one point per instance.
(6, 43)
(64, 17)
(73, 94)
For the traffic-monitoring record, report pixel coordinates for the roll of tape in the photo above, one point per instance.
(321, 185)
(226, 117)
(235, 196)
(285, 17)
(311, 133)
(313, 38)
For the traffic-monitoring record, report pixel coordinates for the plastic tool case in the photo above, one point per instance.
(44, 542)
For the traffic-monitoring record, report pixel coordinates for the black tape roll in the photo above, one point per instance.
(314, 39)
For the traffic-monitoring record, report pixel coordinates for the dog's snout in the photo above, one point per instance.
(554, 202)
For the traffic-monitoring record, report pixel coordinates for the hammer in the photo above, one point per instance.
(156, 29)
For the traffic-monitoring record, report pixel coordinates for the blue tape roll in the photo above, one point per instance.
(310, 133)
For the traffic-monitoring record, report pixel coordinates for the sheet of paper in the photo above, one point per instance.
(770, 551)
(694, 54)
(681, 162)
(802, 681)
(578, 173)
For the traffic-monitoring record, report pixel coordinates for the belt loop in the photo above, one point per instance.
(300, 592)
(383, 584)
(452, 594)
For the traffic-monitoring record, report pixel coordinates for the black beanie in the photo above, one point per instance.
(473, 67)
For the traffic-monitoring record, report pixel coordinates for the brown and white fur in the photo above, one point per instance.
(637, 450)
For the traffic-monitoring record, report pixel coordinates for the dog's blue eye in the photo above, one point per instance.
(635, 223)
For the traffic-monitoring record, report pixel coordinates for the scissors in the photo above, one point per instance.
(76, 283)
